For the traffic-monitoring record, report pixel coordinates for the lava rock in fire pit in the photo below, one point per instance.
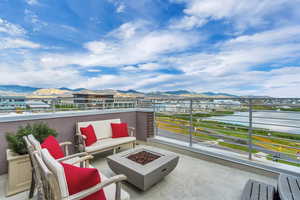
(143, 157)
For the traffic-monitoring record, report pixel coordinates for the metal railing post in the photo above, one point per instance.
(154, 119)
(191, 122)
(250, 129)
(53, 105)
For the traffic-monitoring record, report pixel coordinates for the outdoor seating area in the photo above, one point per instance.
(128, 168)
(193, 178)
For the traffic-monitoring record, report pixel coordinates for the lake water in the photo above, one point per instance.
(282, 124)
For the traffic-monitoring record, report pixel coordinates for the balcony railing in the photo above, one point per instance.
(265, 129)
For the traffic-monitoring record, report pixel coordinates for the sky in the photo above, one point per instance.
(236, 46)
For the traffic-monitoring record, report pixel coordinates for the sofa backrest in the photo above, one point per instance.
(102, 128)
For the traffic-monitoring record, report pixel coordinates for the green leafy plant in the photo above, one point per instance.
(39, 130)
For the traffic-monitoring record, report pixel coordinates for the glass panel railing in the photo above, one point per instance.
(263, 129)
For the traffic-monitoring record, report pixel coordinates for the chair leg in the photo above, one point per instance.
(32, 186)
(118, 191)
(133, 145)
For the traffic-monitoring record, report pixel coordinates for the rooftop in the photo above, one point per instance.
(210, 180)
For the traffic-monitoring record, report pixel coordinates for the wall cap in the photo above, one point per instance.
(35, 116)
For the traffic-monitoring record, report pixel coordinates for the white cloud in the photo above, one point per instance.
(150, 66)
(32, 74)
(96, 47)
(241, 13)
(126, 81)
(130, 29)
(94, 70)
(120, 8)
(33, 18)
(9, 43)
(188, 22)
(144, 47)
(232, 67)
(32, 2)
(130, 69)
(11, 29)
(244, 52)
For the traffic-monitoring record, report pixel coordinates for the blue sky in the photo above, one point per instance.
(236, 46)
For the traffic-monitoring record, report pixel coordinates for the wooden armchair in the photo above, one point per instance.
(33, 145)
(70, 159)
(36, 177)
(55, 186)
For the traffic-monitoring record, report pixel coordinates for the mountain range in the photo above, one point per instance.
(27, 90)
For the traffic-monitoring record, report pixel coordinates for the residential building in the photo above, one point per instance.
(12, 102)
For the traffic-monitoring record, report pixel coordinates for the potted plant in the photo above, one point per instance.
(19, 166)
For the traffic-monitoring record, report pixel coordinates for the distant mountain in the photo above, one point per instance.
(187, 93)
(52, 91)
(130, 91)
(254, 96)
(15, 89)
(74, 90)
(18, 88)
(218, 94)
(178, 92)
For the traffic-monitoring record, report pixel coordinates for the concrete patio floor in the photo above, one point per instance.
(192, 179)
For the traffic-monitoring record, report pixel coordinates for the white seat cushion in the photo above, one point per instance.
(110, 191)
(109, 142)
(102, 128)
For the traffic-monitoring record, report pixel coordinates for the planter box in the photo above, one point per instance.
(19, 173)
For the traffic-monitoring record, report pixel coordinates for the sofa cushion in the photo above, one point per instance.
(119, 130)
(102, 128)
(53, 147)
(79, 179)
(89, 133)
(109, 142)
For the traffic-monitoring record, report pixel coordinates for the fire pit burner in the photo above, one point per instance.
(143, 157)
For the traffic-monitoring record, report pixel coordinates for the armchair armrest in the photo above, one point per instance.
(84, 161)
(65, 146)
(115, 179)
(131, 130)
(73, 156)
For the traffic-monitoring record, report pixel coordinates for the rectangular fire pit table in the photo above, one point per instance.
(143, 166)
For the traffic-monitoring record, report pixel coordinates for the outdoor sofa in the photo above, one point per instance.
(103, 132)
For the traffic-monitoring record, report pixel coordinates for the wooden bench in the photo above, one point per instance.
(289, 187)
(255, 190)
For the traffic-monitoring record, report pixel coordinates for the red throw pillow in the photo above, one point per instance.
(119, 130)
(89, 132)
(51, 144)
(79, 179)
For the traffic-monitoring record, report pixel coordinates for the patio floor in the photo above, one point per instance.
(192, 179)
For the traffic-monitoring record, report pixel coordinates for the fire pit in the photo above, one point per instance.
(143, 166)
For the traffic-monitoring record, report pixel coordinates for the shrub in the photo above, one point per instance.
(39, 130)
